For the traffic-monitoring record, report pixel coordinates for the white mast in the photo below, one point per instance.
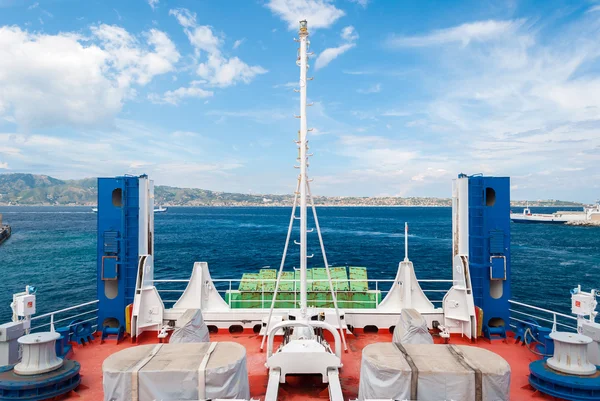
(303, 192)
(303, 33)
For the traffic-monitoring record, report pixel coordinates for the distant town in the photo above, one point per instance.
(42, 190)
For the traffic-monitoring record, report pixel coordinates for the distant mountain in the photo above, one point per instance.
(32, 189)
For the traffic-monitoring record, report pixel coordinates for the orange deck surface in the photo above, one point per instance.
(92, 355)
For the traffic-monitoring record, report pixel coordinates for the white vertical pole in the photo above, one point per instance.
(406, 242)
(303, 33)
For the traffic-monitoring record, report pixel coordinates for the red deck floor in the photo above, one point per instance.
(91, 357)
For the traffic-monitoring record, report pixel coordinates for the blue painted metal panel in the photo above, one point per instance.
(497, 269)
(110, 271)
(118, 222)
(489, 235)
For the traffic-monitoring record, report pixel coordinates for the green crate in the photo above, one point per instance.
(270, 275)
(358, 273)
(257, 294)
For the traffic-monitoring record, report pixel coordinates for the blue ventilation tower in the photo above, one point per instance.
(125, 229)
(485, 237)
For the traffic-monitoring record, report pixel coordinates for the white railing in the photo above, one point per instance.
(379, 288)
(522, 312)
(86, 312)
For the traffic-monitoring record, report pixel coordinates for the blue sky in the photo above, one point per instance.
(407, 94)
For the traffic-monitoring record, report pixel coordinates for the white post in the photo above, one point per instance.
(406, 242)
(303, 33)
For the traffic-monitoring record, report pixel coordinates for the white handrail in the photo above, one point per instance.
(71, 308)
(377, 283)
(554, 322)
(63, 310)
(272, 280)
(542, 309)
(554, 314)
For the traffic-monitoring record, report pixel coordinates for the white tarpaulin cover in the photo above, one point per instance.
(189, 371)
(411, 328)
(190, 328)
(433, 372)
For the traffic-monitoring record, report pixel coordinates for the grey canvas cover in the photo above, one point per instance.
(188, 371)
(190, 328)
(433, 372)
(411, 328)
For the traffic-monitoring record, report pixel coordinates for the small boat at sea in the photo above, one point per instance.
(591, 214)
(5, 231)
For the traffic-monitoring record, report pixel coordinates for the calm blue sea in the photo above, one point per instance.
(54, 249)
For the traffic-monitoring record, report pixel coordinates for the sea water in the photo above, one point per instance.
(54, 249)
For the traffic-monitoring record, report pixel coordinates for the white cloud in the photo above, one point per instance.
(396, 113)
(357, 72)
(349, 34)
(328, 55)
(372, 89)
(184, 134)
(363, 3)
(4, 166)
(216, 69)
(34, 5)
(134, 63)
(174, 97)
(153, 3)
(318, 13)
(516, 106)
(186, 18)
(594, 8)
(129, 148)
(430, 173)
(66, 78)
(220, 71)
(479, 31)
(292, 84)
(258, 115)
(238, 43)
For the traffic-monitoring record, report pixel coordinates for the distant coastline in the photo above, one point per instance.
(517, 204)
(20, 189)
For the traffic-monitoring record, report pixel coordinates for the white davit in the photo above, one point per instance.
(189, 371)
(444, 372)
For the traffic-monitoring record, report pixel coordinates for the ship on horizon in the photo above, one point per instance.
(589, 216)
